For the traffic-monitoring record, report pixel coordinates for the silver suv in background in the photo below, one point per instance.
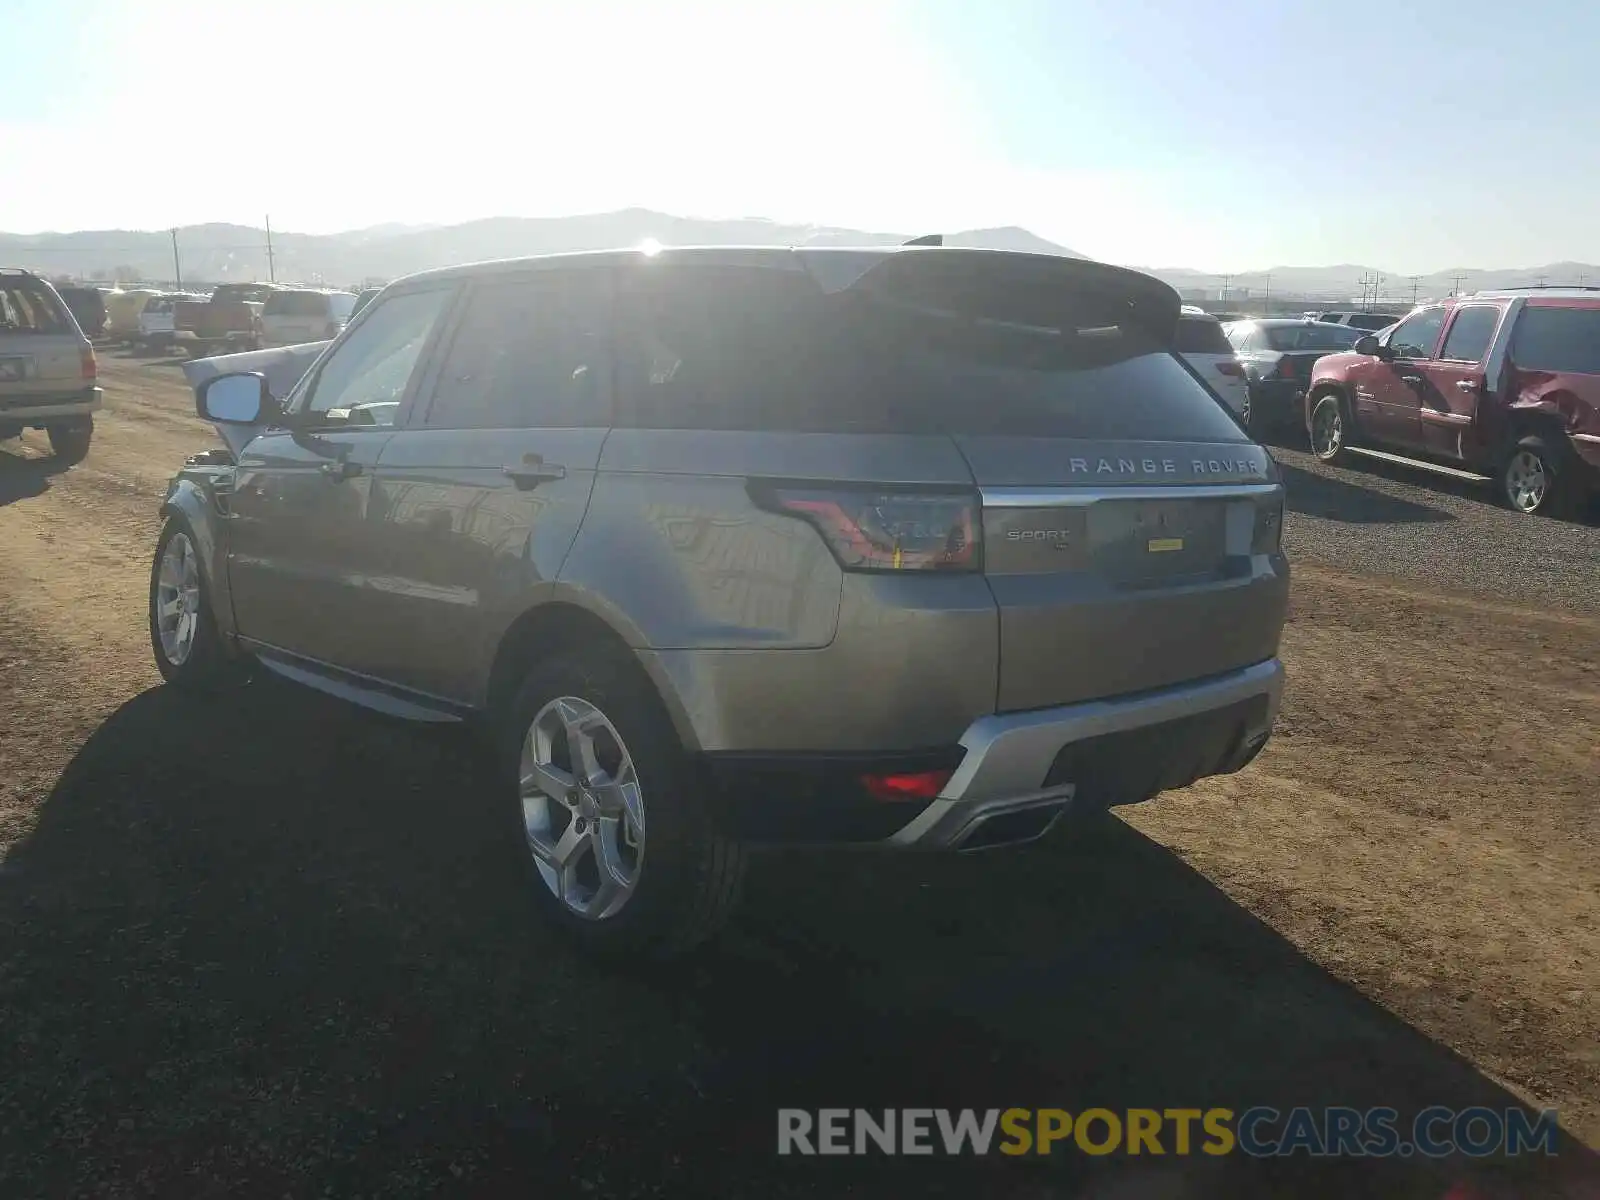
(918, 548)
(47, 366)
(1204, 346)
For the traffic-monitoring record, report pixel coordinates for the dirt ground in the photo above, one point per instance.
(245, 955)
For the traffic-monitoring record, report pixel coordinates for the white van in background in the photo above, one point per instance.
(293, 316)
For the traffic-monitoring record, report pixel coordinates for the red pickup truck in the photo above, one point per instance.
(229, 321)
(1503, 385)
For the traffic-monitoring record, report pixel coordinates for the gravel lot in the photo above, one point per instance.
(1379, 518)
(275, 947)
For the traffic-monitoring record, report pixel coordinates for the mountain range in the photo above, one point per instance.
(215, 253)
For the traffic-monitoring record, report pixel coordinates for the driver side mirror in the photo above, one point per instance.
(1369, 345)
(237, 399)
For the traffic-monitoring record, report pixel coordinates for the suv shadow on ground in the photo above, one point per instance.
(1334, 499)
(23, 478)
(265, 943)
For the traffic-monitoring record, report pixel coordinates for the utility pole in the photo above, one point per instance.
(1266, 294)
(177, 270)
(1542, 278)
(1414, 286)
(1223, 296)
(1455, 285)
(272, 271)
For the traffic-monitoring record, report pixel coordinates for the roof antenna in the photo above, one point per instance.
(927, 239)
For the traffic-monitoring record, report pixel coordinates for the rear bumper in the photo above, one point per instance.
(1587, 448)
(1014, 774)
(1101, 753)
(48, 406)
(1277, 398)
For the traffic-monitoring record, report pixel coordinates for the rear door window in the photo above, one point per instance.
(766, 349)
(1561, 340)
(530, 353)
(1470, 333)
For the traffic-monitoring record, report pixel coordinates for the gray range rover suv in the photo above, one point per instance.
(918, 547)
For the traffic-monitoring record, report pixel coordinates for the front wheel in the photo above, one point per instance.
(1533, 479)
(1329, 428)
(183, 631)
(70, 440)
(620, 852)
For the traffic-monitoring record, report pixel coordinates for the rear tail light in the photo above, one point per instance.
(913, 785)
(1230, 368)
(86, 364)
(886, 529)
(1285, 368)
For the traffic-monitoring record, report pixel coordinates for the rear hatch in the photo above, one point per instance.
(1130, 528)
(43, 355)
(289, 318)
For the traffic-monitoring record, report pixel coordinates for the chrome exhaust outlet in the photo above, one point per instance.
(1011, 827)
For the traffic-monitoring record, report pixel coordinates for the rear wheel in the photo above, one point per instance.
(69, 440)
(1330, 428)
(1533, 478)
(620, 853)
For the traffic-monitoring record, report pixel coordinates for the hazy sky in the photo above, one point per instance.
(1222, 136)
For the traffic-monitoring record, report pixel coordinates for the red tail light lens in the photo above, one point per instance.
(1286, 367)
(86, 364)
(882, 529)
(916, 785)
(1231, 368)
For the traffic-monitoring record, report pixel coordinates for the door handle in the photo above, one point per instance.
(339, 471)
(1466, 385)
(532, 471)
(1413, 380)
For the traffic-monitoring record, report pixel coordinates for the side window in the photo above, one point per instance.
(529, 353)
(1418, 334)
(1563, 340)
(1470, 333)
(363, 381)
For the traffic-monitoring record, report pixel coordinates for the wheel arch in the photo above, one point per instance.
(569, 619)
(186, 498)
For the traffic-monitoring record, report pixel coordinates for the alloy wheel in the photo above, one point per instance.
(1327, 429)
(177, 599)
(582, 808)
(1526, 481)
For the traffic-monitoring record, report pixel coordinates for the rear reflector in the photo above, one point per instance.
(914, 785)
(1229, 367)
(874, 529)
(86, 364)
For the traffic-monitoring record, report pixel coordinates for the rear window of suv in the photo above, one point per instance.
(1562, 340)
(296, 304)
(26, 307)
(768, 349)
(1201, 335)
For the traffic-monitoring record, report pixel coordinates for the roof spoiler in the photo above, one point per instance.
(927, 239)
(1033, 289)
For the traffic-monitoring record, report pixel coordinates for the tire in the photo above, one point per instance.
(202, 663)
(69, 441)
(1534, 478)
(676, 880)
(1330, 428)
